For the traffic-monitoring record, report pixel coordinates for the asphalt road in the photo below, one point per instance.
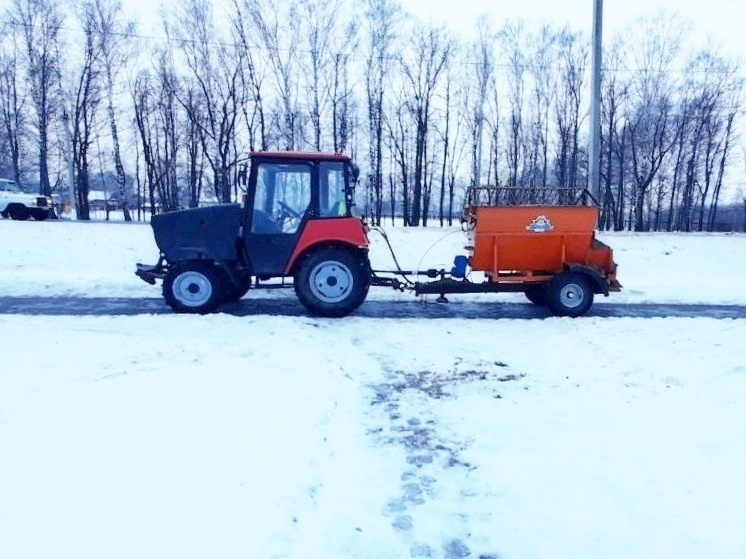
(287, 306)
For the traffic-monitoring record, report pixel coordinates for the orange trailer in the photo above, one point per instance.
(546, 249)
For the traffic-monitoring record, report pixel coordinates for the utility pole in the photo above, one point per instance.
(594, 179)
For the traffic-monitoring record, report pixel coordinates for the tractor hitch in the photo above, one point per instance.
(149, 273)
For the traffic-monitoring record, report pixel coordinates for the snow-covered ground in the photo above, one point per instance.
(173, 436)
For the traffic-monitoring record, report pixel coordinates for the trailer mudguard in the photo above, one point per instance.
(598, 280)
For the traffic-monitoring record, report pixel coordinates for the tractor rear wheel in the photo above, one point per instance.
(570, 294)
(192, 287)
(332, 281)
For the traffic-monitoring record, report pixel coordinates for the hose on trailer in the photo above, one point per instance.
(383, 234)
(433, 245)
(401, 272)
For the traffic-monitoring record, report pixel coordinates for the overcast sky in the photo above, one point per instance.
(720, 20)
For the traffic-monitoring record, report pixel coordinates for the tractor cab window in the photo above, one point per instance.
(332, 202)
(283, 195)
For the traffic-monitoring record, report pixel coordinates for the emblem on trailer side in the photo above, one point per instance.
(540, 224)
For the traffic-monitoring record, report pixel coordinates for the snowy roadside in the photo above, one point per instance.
(266, 436)
(220, 436)
(98, 260)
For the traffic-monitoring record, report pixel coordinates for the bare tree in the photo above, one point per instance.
(143, 98)
(573, 61)
(541, 68)
(652, 136)
(684, 125)
(41, 22)
(340, 92)
(277, 25)
(614, 95)
(445, 139)
(252, 78)
(512, 41)
(158, 122)
(216, 66)
(652, 126)
(11, 102)
(493, 122)
(193, 101)
(168, 141)
(400, 136)
(114, 35)
(422, 68)
(475, 97)
(381, 19)
(319, 25)
(86, 98)
(454, 150)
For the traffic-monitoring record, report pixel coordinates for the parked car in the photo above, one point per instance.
(17, 204)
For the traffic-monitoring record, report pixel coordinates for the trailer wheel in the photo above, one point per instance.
(192, 287)
(332, 281)
(570, 294)
(537, 294)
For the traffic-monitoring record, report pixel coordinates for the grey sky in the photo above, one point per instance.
(719, 20)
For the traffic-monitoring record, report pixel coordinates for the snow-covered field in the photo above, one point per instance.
(261, 436)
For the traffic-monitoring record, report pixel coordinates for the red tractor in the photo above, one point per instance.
(295, 223)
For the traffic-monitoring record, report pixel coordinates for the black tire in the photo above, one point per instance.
(192, 287)
(234, 291)
(332, 281)
(18, 212)
(537, 294)
(570, 294)
(39, 215)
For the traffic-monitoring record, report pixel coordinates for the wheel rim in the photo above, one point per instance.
(331, 281)
(572, 295)
(192, 289)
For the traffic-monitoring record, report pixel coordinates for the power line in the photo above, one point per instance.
(526, 67)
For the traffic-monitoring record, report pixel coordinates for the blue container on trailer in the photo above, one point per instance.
(459, 266)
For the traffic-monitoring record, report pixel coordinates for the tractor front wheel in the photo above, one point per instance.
(192, 287)
(332, 281)
(570, 294)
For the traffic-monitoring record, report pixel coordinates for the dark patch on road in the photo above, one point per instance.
(289, 306)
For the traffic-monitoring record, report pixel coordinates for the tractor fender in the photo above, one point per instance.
(297, 259)
(598, 280)
(347, 232)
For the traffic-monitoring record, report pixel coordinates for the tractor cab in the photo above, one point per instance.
(286, 193)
